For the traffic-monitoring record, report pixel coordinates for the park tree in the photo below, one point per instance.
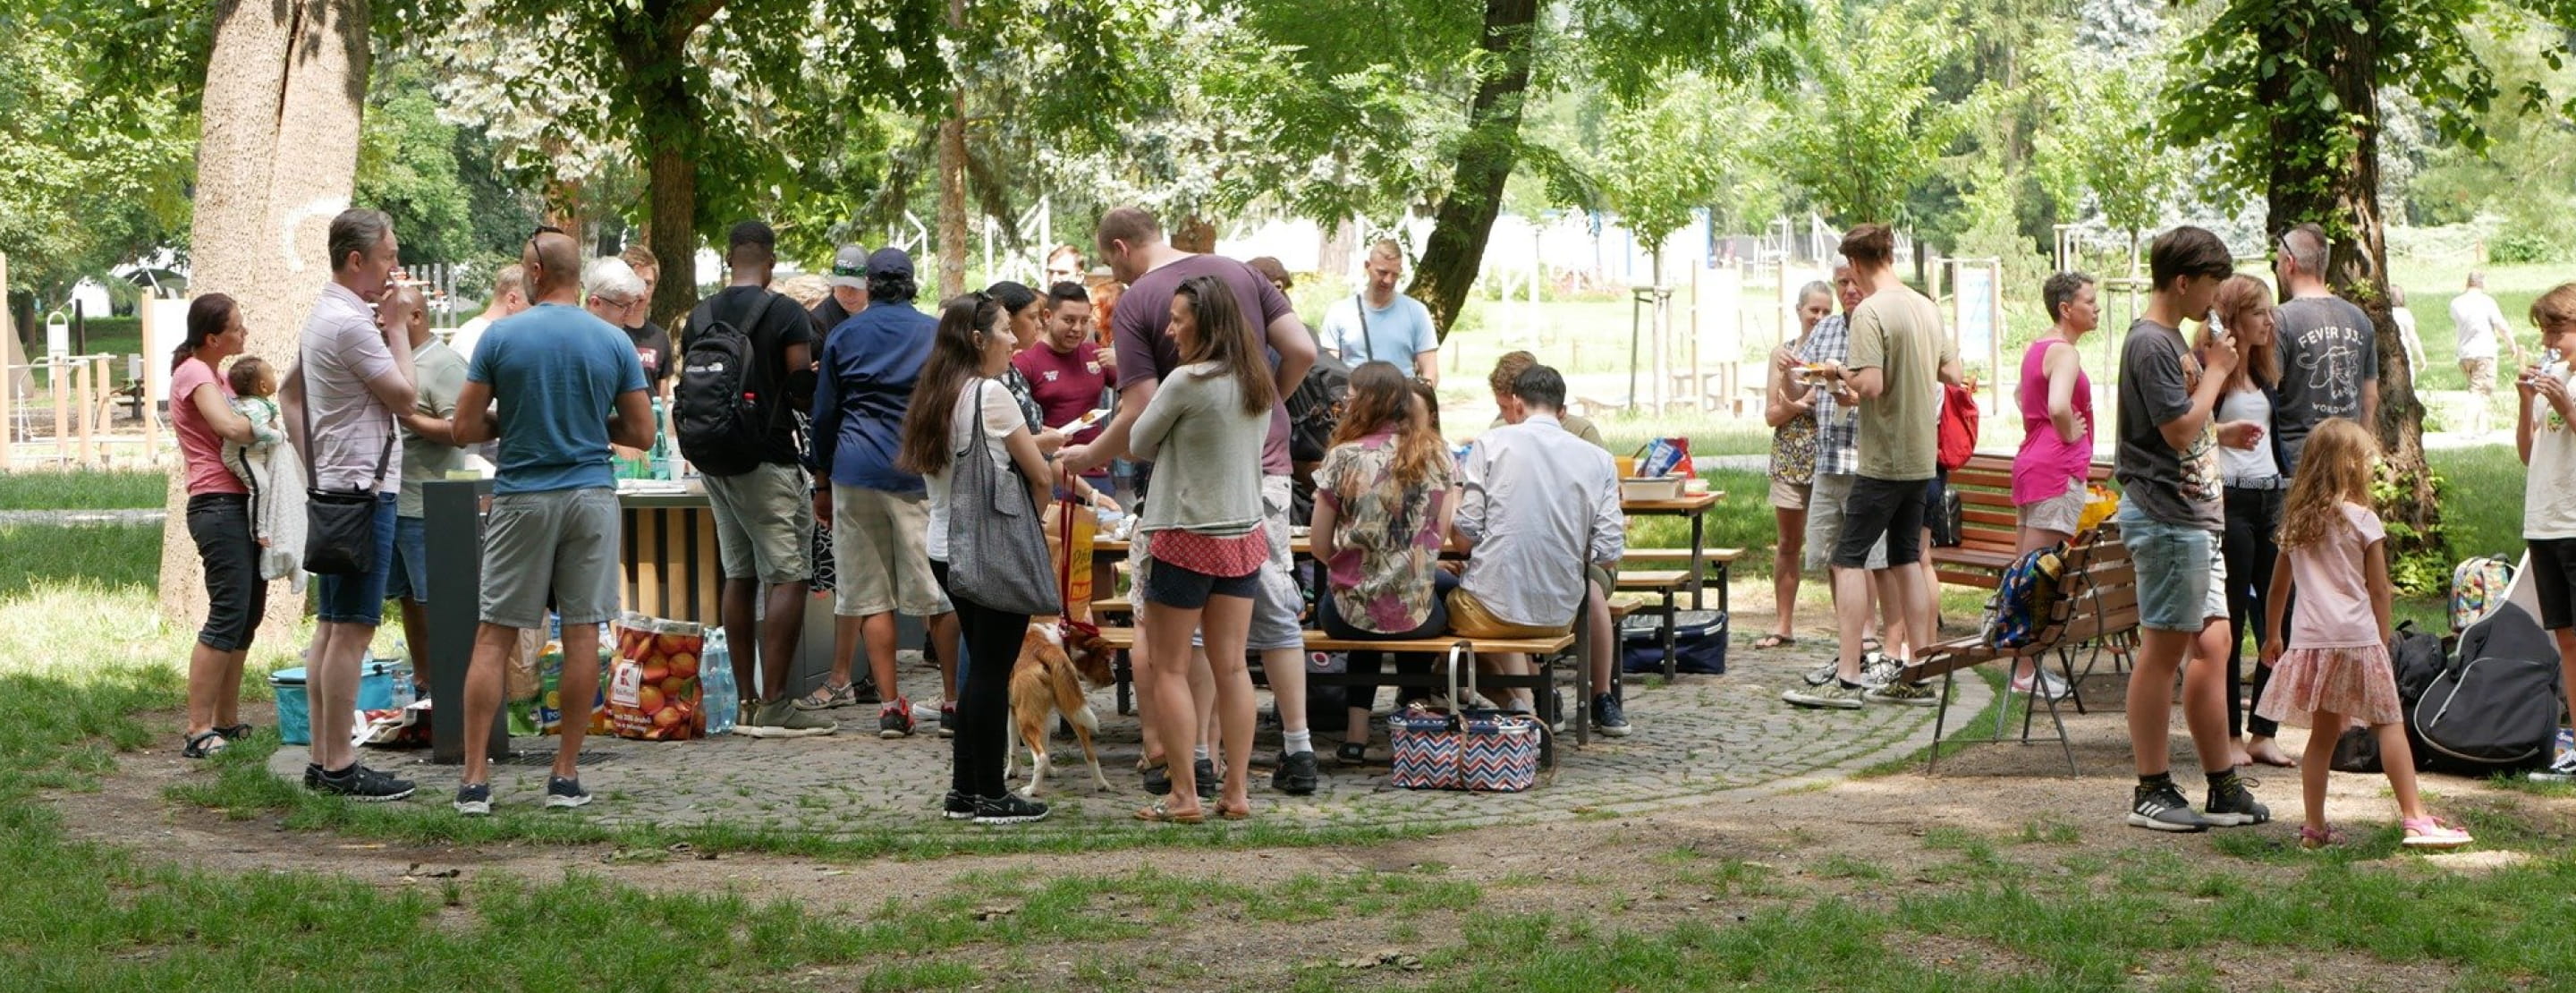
(2291, 91)
(1661, 160)
(92, 174)
(1861, 128)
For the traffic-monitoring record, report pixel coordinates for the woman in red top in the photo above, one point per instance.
(218, 521)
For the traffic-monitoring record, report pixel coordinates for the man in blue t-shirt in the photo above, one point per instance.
(1383, 325)
(567, 385)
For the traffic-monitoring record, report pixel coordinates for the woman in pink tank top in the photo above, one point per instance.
(2056, 401)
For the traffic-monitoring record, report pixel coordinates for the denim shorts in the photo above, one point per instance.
(2182, 572)
(410, 577)
(360, 599)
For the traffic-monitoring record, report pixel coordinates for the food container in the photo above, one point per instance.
(294, 709)
(1651, 487)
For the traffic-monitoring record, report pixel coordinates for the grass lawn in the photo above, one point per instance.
(55, 489)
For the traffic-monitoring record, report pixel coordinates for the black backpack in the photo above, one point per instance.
(2494, 707)
(1315, 408)
(720, 407)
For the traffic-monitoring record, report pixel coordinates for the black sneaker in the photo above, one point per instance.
(1608, 717)
(894, 720)
(565, 793)
(313, 776)
(865, 691)
(1297, 774)
(957, 806)
(1204, 770)
(362, 784)
(1009, 808)
(2232, 805)
(947, 720)
(2162, 808)
(474, 799)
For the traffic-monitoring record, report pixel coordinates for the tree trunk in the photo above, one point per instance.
(2342, 194)
(277, 154)
(1456, 250)
(1194, 234)
(672, 119)
(952, 175)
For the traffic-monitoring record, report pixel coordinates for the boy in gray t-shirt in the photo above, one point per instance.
(2170, 516)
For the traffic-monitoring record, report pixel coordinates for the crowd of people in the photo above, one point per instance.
(864, 405)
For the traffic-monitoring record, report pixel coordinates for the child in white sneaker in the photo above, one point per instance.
(2333, 551)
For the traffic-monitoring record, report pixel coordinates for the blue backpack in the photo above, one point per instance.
(2026, 598)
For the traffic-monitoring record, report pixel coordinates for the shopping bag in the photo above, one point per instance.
(1070, 531)
(1482, 751)
(550, 698)
(1664, 457)
(653, 692)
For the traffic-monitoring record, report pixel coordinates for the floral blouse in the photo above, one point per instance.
(1387, 534)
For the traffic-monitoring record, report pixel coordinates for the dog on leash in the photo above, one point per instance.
(1057, 663)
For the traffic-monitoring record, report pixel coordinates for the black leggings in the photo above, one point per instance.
(982, 742)
(1437, 623)
(2253, 518)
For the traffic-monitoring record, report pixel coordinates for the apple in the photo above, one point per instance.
(675, 688)
(669, 716)
(655, 671)
(673, 644)
(684, 665)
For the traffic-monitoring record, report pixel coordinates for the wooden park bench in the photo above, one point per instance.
(1988, 522)
(1714, 563)
(2097, 602)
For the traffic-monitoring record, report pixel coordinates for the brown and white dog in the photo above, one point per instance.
(1057, 663)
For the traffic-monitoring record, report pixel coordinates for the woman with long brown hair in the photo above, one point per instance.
(2254, 489)
(960, 410)
(1201, 543)
(201, 414)
(1383, 500)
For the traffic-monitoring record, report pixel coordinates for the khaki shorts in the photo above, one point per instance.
(880, 555)
(564, 541)
(1825, 521)
(764, 524)
(1790, 496)
(2481, 373)
(2059, 513)
(1469, 618)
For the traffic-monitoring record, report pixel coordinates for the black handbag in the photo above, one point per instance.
(339, 525)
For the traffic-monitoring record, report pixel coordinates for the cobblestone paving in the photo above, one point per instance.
(1699, 736)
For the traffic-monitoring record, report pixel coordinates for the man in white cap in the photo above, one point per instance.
(849, 281)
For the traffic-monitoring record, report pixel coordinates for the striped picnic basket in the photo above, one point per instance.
(1484, 751)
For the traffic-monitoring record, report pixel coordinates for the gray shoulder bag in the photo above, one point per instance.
(997, 553)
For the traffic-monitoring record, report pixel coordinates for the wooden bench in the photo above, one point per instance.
(1543, 652)
(1989, 524)
(1664, 584)
(1713, 565)
(2098, 601)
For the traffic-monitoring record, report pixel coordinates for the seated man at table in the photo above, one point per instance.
(1539, 505)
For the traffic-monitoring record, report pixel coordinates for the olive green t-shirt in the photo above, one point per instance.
(1899, 333)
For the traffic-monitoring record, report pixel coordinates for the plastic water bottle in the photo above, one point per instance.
(723, 698)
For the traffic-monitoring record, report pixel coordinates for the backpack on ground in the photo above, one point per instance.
(1958, 426)
(2025, 600)
(2417, 661)
(2494, 707)
(1699, 642)
(2477, 585)
(720, 409)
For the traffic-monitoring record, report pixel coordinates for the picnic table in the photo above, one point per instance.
(1694, 506)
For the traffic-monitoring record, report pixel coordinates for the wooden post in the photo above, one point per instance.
(8, 376)
(80, 413)
(151, 413)
(103, 403)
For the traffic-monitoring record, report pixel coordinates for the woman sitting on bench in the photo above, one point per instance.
(1383, 500)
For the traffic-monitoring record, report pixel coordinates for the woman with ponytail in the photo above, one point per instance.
(201, 413)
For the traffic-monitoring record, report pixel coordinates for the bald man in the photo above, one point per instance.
(557, 386)
(2329, 349)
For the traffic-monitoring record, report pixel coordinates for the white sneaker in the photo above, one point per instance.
(1878, 670)
(2559, 771)
(2049, 685)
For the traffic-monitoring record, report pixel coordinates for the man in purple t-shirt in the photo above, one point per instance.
(1131, 241)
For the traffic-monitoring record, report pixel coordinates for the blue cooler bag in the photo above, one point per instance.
(294, 709)
(1699, 642)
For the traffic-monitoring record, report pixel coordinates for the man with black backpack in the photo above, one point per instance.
(747, 365)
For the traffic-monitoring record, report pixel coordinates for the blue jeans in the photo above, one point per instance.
(409, 579)
(2182, 572)
(360, 599)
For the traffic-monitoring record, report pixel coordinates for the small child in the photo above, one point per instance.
(2333, 551)
(268, 467)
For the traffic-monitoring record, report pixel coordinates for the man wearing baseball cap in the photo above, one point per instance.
(849, 279)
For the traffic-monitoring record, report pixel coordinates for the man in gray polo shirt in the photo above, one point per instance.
(566, 385)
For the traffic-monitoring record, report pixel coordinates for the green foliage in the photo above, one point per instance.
(1863, 129)
(93, 173)
(436, 179)
(1663, 157)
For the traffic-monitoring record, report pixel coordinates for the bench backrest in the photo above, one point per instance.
(2098, 593)
(1988, 520)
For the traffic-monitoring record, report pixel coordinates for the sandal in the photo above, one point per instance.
(2313, 839)
(1225, 813)
(234, 732)
(1161, 813)
(2430, 832)
(1770, 641)
(1352, 753)
(204, 744)
(828, 697)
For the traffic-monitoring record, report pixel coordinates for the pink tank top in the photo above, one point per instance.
(2046, 462)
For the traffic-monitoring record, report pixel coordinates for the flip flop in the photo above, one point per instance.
(1774, 641)
(1226, 813)
(1161, 813)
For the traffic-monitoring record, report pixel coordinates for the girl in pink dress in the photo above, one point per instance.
(2337, 671)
